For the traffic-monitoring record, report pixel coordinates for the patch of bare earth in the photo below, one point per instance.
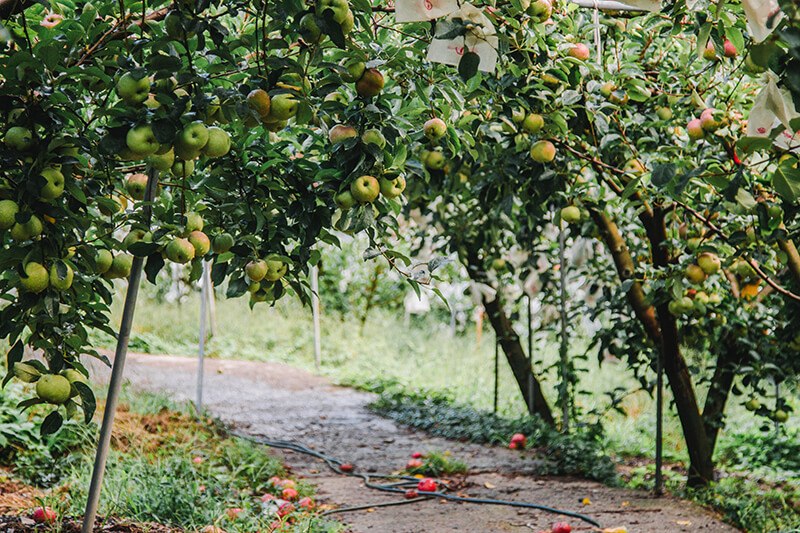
(284, 403)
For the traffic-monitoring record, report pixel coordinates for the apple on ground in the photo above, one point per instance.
(560, 527)
(434, 129)
(426, 485)
(180, 250)
(43, 514)
(411, 494)
(306, 503)
(289, 493)
(234, 512)
(365, 189)
(413, 463)
(416, 455)
(370, 84)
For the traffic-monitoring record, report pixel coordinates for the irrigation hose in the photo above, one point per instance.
(335, 464)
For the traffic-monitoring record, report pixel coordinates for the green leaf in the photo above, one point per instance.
(468, 66)
(51, 423)
(749, 145)
(663, 174)
(786, 181)
(88, 402)
(14, 356)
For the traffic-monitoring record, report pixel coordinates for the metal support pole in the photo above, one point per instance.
(315, 313)
(115, 384)
(211, 300)
(562, 236)
(610, 5)
(777, 401)
(496, 372)
(659, 481)
(201, 344)
(531, 397)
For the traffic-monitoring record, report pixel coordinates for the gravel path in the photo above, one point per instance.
(284, 403)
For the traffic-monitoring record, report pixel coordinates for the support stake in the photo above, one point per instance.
(315, 313)
(658, 488)
(115, 384)
(562, 237)
(201, 345)
(496, 372)
(531, 396)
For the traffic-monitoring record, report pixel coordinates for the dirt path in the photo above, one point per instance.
(283, 403)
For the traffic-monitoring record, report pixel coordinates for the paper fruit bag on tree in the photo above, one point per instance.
(773, 109)
(763, 16)
(451, 43)
(420, 10)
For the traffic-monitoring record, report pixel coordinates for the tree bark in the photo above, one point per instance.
(719, 391)
(511, 345)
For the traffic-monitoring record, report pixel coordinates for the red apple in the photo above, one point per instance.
(267, 497)
(197, 460)
(560, 527)
(413, 463)
(289, 494)
(426, 485)
(730, 50)
(579, 51)
(416, 455)
(234, 512)
(43, 514)
(306, 503)
(411, 494)
(285, 509)
(347, 467)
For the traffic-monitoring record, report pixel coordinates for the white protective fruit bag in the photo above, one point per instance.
(421, 10)
(758, 13)
(774, 108)
(481, 39)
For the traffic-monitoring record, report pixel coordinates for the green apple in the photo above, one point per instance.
(312, 33)
(135, 235)
(354, 69)
(752, 404)
(180, 250)
(710, 53)
(370, 84)
(392, 188)
(222, 243)
(259, 101)
(283, 107)
(30, 229)
(54, 186)
(540, 10)
(201, 243)
(348, 23)
(102, 261)
(58, 282)
(275, 126)
(571, 214)
(434, 129)
(695, 129)
(136, 185)
(635, 167)
(543, 151)
(533, 123)
(340, 132)
(365, 189)
(339, 8)
(434, 160)
(120, 267)
(36, 278)
(276, 268)
(664, 113)
(712, 119)
(256, 270)
(344, 200)
(8, 213)
(780, 416)
(518, 115)
(74, 376)
(219, 143)
(709, 263)
(53, 389)
(374, 136)
(142, 141)
(192, 139)
(193, 222)
(132, 90)
(337, 97)
(19, 138)
(607, 88)
(695, 274)
(181, 168)
(615, 99)
(579, 51)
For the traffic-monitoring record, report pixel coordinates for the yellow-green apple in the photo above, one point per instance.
(30, 229)
(54, 186)
(392, 188)
(540, 10)
(312, 32)
(353, 70)
(256, 270)
(276, 268)
(259, 101)
(664, 113)
(103, 260)
(543, 151)
(579, 51)
(434, 129)
(74, 376)
(780, 416)
(712, 119)
(132, 90)
(338, 7)
(19, 138)
(134, 235)
(634, 166)
(348, 23)
(8, 213)
(201, 243)
(695, 274)
(709, 263)
(752, 404)
(136, 185)
(370, 84)
(709, 53)
(336, 97)
(283, 107)
(182, 168)
(120, 267)
(53, 389)
(192, 139)
(365, 189)
(141, 140)
(219, 143)
(340, 132)
(58, 282)
(180, 250)
(374, 136)
(570, 214)
(607, 88)
(36, 278)
(518, 115)
(222, 243)
(434, 160)
(533, 123)
(344, 200)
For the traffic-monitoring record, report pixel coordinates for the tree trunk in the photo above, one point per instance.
(512, 347)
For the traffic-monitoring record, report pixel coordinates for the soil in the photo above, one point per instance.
(280, 402)
(22, 524)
